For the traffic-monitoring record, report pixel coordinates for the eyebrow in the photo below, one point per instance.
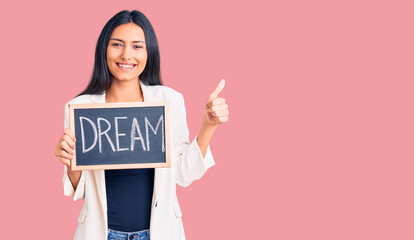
(124, 41)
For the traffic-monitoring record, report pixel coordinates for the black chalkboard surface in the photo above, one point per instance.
(120, 135)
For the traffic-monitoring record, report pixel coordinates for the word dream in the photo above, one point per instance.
(135, 134)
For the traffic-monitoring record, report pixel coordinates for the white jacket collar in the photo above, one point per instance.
(100, 98)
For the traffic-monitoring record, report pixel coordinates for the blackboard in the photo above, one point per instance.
(120, 135)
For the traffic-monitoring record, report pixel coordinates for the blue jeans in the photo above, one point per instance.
(117, 235)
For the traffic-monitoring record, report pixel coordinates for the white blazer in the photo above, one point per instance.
(187, 165)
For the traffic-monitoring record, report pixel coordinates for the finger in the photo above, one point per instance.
(58, 149)
(65, 146)
(218, 114)
(215, 102)
(69, 141)
(218, 89)
(215, 113)
(220, 107)
(69, 132)
(65, 161)
(65, 155)
(222, 119)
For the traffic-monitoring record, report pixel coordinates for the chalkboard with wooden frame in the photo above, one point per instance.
(120, 135)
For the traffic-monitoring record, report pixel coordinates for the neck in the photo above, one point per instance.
(122, 91)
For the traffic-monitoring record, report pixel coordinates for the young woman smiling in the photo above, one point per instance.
(136, 203)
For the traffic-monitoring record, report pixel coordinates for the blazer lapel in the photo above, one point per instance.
(98, 98)
(100, 174)
(149, 96)
(146, 91)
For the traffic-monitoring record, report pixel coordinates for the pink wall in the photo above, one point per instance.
(320, 139)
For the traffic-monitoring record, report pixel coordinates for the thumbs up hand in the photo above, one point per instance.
(216, 109)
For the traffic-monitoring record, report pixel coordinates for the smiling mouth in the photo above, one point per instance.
(126, 66)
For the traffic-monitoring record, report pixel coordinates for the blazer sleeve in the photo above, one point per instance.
(188, 162)
(68, 189)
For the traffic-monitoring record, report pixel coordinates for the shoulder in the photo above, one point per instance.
(85, 98)
(165, 93)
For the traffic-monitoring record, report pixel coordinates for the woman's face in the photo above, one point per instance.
(126, 54)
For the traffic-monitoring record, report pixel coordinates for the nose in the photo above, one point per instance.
(126, 53)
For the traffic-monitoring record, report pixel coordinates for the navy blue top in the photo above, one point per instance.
(129, 197)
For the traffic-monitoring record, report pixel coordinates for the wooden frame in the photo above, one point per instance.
(165, 164)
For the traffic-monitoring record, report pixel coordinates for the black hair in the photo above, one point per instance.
(101, 77)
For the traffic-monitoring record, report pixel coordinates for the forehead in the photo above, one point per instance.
(128, 32)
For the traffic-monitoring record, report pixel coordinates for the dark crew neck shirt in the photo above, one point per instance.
(129, 198)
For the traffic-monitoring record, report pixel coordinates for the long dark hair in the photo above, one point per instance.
(101, 77)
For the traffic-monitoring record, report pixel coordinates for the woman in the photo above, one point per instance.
(127, 69)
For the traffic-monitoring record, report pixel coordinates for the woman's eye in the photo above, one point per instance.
(137, 46)
(116, 44)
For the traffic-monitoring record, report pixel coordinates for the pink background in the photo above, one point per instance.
(321, 134)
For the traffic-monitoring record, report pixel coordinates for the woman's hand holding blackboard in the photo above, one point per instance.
(65, 147)
(65, 152)
(216, 112)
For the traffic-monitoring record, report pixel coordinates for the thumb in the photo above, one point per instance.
(218, 89)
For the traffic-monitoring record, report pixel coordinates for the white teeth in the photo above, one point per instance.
(126, 66)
